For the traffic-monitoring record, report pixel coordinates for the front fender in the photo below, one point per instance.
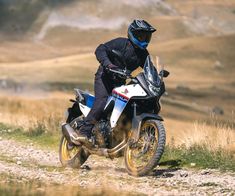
(137, 122)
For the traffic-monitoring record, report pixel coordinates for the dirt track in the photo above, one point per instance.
(25, 162)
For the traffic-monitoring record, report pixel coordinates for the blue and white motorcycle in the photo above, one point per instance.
(130, 123)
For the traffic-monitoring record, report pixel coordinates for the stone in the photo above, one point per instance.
(218, 65)
(183, 174)
(192, 164)
(85, 167)
(205, 172)
(217, 110)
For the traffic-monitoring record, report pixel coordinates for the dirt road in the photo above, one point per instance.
(26, 162)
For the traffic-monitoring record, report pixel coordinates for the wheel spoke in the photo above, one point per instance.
(68, 154)
(140, 156)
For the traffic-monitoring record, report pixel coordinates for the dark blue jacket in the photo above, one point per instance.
(132, 56)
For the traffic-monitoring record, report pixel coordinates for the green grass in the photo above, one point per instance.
(37, 135)
(198, 156)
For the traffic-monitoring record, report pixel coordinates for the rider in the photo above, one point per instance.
(134, 52)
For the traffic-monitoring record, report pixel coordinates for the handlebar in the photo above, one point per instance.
(122, 73)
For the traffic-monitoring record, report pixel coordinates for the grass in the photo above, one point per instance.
(195, 156)
(38, 120)
(34, 115)
(198, 156)
(214, 136)
(37, 136)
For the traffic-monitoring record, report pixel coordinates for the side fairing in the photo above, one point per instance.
(84, 109)
(119, 106)
(122, 95)
(129, 91)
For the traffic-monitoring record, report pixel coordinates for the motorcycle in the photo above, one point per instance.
(130, 123)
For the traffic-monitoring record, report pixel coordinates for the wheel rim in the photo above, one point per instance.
(67, 152)
(139, 155)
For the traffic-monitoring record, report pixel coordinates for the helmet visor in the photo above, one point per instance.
(143, 36)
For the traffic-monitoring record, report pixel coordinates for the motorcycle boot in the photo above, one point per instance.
(78, 137)
(84, 134)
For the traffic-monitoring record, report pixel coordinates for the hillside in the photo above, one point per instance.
(47, 49)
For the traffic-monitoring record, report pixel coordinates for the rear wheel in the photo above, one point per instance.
(72, 155)
(143, 156)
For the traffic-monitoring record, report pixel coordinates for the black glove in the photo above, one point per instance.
(112, 66)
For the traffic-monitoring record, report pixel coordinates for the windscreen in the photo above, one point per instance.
(150, 72)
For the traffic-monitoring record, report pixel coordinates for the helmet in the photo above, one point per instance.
(140, 33)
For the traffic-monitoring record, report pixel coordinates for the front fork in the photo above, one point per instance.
(137, 122)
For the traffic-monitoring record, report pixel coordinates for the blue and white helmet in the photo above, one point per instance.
(140, 33)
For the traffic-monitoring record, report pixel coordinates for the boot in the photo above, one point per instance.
(76, 137)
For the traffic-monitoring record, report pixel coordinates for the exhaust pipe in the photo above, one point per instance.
(70, 134)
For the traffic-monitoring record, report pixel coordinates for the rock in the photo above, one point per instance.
(82, 183)
(218, 65)
(85, 167)
(217, 110)
(3, 83)
(167, 175)
(0, 138)
(18, 158)
(18, 162)
(205, 172)
(183, 174)
(192, 164)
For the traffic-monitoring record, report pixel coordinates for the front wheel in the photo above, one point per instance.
(143, 156)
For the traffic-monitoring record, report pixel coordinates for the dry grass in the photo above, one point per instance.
(47, 113)
(76, 68)
(34, 113)
(213, 137)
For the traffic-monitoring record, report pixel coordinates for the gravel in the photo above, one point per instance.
(27, 162)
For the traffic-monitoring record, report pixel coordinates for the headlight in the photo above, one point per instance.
(154, 90)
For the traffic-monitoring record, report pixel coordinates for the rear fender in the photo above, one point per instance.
(137, 122)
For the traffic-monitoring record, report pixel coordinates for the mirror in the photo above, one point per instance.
(164, 73)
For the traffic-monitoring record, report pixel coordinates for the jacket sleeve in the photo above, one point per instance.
(103, 51)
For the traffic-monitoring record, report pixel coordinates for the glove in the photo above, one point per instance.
(112, 66)
(128, 72)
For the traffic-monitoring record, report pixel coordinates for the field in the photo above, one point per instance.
(44, 57)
